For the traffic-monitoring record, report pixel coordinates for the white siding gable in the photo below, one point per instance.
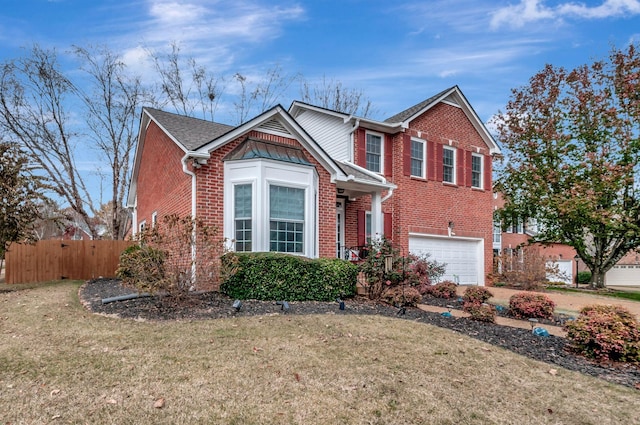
(330, 132)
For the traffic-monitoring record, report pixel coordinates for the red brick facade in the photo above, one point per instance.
(165, 189)
(427, 205)
(162, 186)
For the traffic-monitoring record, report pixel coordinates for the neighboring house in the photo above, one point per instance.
(320, 183)
(510, 240)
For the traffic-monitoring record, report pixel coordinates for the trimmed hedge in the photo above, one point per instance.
(276, 276)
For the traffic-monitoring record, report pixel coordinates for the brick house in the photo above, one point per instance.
(509, 242)
(320, 183)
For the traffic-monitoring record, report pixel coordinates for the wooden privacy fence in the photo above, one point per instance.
(61, 259)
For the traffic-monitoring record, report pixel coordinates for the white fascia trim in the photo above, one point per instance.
(297, 131)
(364, 171)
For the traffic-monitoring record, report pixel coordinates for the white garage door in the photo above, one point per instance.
(464, 257)
(562, 271)
(624, 275)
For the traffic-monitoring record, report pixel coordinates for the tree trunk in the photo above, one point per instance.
(597, 279)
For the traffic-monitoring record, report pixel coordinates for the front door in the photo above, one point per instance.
(341, 251)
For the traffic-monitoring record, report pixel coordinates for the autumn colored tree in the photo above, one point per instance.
(573, 145)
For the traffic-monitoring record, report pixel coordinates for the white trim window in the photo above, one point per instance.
(476, 170)
(374, 152)
(154, 219)
(271, 206)
(497, 233)
(142, 225)
(367, 227)
(286, 219)
(242, 214)
(449, 164)
(418, 159)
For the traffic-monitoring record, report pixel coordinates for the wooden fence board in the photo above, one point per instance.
(57, 259)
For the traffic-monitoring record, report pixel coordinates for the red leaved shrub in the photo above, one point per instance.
(526, 305)
(446, 289)
(605, 332)
(477, 294)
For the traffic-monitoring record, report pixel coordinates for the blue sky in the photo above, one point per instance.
(397, 52)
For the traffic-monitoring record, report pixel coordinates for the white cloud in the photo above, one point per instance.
(527, 11)
(520, 14)
(609, 8)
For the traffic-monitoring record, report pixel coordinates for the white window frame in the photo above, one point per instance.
(289, 221)
(154, 219)
(497, 232)
(481, 172)
(368, 227)
(142, 225)
(423, 159)
(262, 173)
(453, 166)
(250, 217)
(366, 151)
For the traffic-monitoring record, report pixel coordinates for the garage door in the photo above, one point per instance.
(624, 275)
(560, 271)
(464, 257)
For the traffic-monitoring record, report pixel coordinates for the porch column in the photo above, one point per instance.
(377, 222)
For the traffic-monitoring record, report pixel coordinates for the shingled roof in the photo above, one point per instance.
(408, 113)
(192, 133)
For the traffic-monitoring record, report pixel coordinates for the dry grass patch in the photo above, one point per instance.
(59, 362)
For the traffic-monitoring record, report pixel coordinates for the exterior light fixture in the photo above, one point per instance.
(284, 304)
(237, 305)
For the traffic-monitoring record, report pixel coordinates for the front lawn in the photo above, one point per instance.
(62, 364)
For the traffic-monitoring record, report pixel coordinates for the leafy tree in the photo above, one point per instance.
(574, 152)
(20, 195)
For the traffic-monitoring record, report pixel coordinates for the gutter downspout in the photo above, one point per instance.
(352, 147)
(185, 158)
(193, 183)
(387, 196)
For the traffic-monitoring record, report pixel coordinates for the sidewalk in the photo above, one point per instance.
(504, 321)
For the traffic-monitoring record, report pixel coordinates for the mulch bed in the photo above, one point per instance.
(213, 305)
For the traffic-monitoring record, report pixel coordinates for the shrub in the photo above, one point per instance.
(399, 296)
(605, 332)
(584, 277)
(524, 268)
(276, 276)
(417, 271)
(477, 294)
(481, 312)
(446, 289)
(141, 267)
(525, 305)
(163, 260)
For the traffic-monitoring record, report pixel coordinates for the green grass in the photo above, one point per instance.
(626, 295)
(62, 364)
